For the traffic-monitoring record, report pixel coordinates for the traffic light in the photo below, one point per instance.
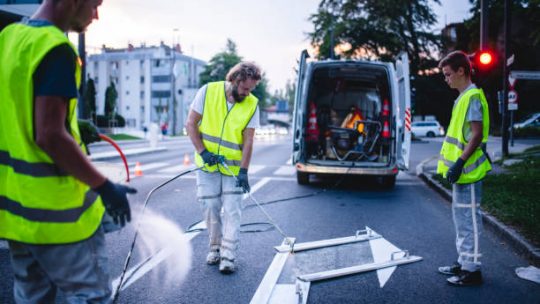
(483, 63)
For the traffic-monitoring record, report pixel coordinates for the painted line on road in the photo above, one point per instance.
(138, 271)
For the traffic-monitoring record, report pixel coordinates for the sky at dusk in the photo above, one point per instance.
(271, 33)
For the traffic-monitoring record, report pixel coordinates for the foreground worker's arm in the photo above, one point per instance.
(248, 136)
(476, 139)
(192, 127)
(51, 135)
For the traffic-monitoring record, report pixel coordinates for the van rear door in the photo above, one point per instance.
(404, 111)
(299, 110)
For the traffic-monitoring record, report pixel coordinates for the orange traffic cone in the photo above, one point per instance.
(138, 170)
(187, 161)
(386, 108)
(386, 130)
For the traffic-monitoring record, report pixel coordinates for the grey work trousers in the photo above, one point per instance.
(79, 270)
(468, 223)
(215, 192)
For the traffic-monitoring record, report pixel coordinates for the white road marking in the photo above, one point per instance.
(285, 170)
(149, 166)
(289, 161)
(382, 250)
(176, 169)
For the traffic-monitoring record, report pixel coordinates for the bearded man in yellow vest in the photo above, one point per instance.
(464, 163)
(52, 199)
(221, 125)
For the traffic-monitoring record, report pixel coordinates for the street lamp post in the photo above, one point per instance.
(173, 86)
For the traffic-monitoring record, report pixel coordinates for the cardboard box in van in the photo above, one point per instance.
(352, 117)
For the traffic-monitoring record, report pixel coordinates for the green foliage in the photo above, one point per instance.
(123, 137)
(380, 29)
(222, 62)
(110, 99)
(105, 121)
(89, 98)
(513, 196)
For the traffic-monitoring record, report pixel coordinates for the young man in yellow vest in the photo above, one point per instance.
(52, 199)
(464, 163)
(221, 126)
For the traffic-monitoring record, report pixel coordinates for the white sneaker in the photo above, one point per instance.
(226, 266)
(213, 257)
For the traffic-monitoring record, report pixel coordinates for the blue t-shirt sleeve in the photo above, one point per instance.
(55, 75)
(474, 113)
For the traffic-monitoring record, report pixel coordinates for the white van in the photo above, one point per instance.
(352, 118)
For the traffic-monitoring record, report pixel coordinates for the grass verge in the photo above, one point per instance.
(122, 136)
(514, 195)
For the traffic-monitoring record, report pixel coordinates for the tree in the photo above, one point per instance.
(378, 29)
(90, 99)
(222, 62)
(110, 100)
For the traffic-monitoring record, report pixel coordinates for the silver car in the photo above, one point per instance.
(427, 128)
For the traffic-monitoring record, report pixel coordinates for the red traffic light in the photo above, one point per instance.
(485, 58)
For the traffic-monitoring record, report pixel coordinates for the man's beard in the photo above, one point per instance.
(235, 95)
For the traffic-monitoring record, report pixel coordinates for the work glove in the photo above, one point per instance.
(89, 132)
(115, 200)
(455, 171)
(210, 158)
(242, 180)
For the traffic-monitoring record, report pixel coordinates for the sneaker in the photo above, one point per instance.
(454, 269)
(213, 257)
(466, 278)
(226, 266)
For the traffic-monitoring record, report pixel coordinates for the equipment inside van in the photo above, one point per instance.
(352, 117)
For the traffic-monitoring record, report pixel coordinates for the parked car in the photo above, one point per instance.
(532, 120)
(427, 128)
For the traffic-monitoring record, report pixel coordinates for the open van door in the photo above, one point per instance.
(404, 111)
(299, 109)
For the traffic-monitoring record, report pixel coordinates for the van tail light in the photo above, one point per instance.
(386, 130)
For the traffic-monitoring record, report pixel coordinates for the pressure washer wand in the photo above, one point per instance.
(128, 258)
(288, 240)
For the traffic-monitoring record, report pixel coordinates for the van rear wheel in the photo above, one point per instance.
(302, 178)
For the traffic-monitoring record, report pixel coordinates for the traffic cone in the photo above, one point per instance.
(187, 161)
(386, 130)
(385, 108)
(313, 127)
(138, 170)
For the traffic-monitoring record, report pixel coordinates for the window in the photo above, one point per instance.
(142, 79)
(127, 92)
(127, 108)
(161, 78)
(161, 94)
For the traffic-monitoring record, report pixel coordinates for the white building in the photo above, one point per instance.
(143, 77)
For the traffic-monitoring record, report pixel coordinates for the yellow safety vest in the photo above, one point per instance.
(477, 166)
(39, 203)
(221, 130)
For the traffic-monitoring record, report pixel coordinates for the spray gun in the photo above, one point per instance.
(287, 240)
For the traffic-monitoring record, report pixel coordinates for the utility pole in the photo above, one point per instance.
(483, 24)
(173, 85)
(82, 88)
(504, 118)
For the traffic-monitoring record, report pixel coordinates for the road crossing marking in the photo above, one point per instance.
(285, 170)
(150, 166)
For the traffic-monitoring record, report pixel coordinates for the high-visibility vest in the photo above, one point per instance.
(222, 129)
(39, 203)
(478, 165)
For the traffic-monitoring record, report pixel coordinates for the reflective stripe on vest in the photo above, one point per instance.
(222, 129)
(477, 166)
(39, 203)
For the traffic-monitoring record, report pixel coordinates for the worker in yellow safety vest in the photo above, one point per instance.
(52, 200)
(464, 162)
(221, 125)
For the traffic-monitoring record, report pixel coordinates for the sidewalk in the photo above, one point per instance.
(427, 168)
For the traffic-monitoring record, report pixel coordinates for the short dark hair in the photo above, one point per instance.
(244, 70)
(456, 60)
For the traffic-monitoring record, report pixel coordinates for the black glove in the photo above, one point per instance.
(210, 158)
(242, 180)
(115, 201)
(455, 171)
(89, 132)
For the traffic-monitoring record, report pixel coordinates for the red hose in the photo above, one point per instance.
(109, 140)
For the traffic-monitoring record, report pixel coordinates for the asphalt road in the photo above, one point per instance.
(411, 216)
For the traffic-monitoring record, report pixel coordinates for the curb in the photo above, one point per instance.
(510, 235)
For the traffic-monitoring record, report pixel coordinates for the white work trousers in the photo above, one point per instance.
(468, 223)
(215, 192)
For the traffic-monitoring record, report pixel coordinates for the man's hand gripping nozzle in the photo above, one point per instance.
(288, 240)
